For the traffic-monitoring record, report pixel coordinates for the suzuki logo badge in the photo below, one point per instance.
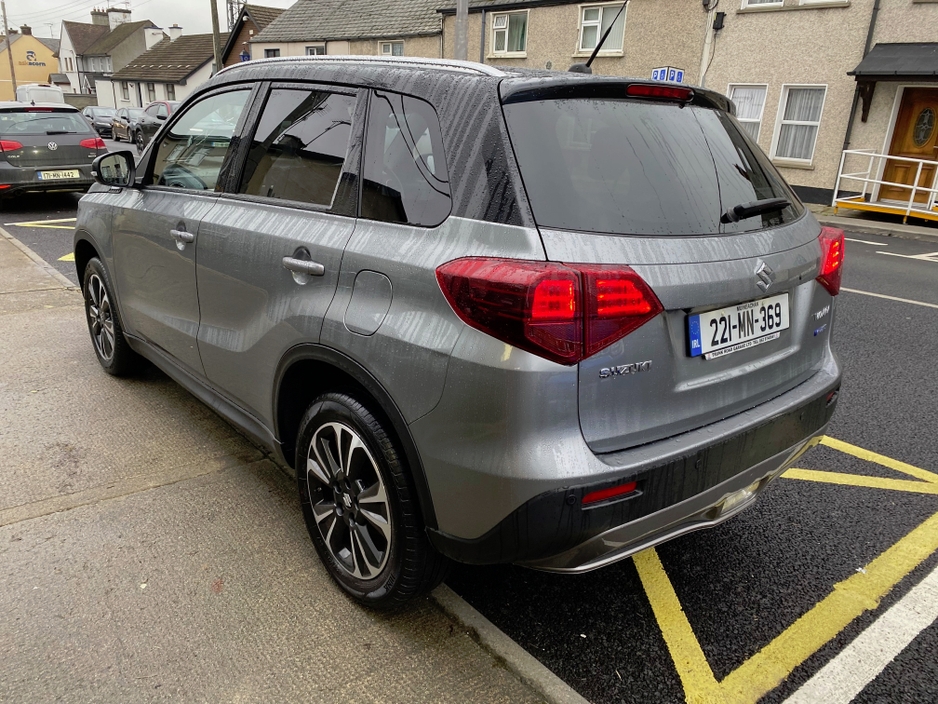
(765, 276)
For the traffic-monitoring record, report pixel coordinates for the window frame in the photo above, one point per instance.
(316, 53)
(729, 90)
(750, 4)
(170, 90)
(151, 92)
(784, 161)
(527, 31)
(125, 90)
(391, 45)
(224, 173)
(601, 6)
(270, 53)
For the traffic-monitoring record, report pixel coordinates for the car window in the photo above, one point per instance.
(300, 146)
(405, 177)
(44, 122)
(151, 110)
(161, 111)
(191, 153)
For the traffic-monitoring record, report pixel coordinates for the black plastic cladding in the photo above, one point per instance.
(484, 179)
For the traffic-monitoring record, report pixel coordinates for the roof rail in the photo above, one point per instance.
(446, 64)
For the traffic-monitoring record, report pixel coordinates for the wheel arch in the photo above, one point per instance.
(308, 370)
(85, 250)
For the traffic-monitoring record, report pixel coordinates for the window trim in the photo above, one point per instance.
(510, 54)
(748, 4)
(581, 51)
(151, 91)
(784, 161)
(125, 90)
(268, 53)
(315, 46)
(729, 89)
(166, 90)
(382, 44)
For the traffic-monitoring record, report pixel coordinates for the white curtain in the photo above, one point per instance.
(749, 101)
(615, 36)
(796, 141)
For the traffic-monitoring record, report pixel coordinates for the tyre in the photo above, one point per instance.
(107, 336)
(117, 137)
(360, 505)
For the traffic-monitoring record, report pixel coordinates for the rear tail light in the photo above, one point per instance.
(562, 312)
(93, 143)
(611, 493)
(832, 259)
(646, 90)
(8, 145)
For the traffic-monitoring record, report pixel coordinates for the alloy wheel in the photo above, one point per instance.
(349, 500)
(100, 317)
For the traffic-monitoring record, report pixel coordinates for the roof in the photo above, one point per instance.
(260, 16)
(13, 38)
(325, 20)
(169, 61)
(899, 61)
(106, 42)
(83, 34)
(48, 42)
(449, 8)
(58, 78)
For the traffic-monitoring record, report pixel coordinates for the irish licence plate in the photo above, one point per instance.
(58, 175)
(727, 330)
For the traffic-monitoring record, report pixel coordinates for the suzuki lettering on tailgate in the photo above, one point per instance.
(726, 330)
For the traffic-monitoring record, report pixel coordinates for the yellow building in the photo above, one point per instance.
(33, 61)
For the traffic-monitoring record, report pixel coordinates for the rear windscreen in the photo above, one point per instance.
(643, 168)
(42, 122)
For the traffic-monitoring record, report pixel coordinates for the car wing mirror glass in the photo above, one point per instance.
(115, 169)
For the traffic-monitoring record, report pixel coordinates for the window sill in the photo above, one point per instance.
(791, 164)
(613, 54)
(755, 9)
(509, 55)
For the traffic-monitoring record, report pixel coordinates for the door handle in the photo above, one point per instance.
(302, 266)
(182, 236)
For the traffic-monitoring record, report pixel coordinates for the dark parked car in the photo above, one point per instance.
(45, 147)
(152, 118)
(100, 119)
(495, 316)
(124, 123)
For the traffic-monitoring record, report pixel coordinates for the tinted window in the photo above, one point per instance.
(45, 122)
(151, 110)
(635, 167)
(300, 145)
(405, 176)
(161, 111)
(191, 154)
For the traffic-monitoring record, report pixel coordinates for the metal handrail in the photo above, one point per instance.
(869, 183)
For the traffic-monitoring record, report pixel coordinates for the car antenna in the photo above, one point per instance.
(585, 68)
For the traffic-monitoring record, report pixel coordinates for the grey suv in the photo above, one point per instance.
(489, 316)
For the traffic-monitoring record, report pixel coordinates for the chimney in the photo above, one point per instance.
(175, 32)
(116, 16)
(98, 16)
(153, 35)
(26, 30)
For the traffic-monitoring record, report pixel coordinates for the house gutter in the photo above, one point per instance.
(856, 90)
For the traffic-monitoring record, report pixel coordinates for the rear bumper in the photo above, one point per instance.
(23, 179)
(677, 492)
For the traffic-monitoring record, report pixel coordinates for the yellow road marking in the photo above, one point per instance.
(814, 475)
(30, 222)
(70, 257)
(850, 598)
(47, 224)
(699, 683)
(876, 458)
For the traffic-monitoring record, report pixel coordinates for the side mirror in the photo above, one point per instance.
(115, 169)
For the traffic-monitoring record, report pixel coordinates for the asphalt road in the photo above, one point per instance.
(745, 583)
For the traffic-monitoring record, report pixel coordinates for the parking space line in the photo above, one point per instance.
(858, 593)
(700, 685)
(889, 298)
(875, 244)
(844, 677)
(869, 456)
(814, 475)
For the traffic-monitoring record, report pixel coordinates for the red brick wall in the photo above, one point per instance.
(243, 36)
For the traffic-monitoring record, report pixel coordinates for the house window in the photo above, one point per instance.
(151, 92)
(595, 20)
(392, 48)
(125, 91)
(761, 3)
(108, 66)
(271, 53)
(68, 64)
(749, 102)
(316, 50)
(800, 116)
(170, 91)
(509, 32)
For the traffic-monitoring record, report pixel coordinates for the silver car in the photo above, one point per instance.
(487, 316)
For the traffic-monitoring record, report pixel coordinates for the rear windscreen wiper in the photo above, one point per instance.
(59, 132)
(755, 207)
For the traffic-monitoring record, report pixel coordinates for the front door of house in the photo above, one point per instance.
(915, 136)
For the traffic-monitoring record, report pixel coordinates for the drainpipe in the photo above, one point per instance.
(482, 40)
(708, 42)
(856, 91)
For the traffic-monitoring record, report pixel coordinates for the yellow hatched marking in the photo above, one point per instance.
(70, 257)
(814, 475)
(47, 224)
(876, 458)
(850, 598)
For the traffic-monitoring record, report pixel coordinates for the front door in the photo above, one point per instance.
(157, 225)
(916, 137)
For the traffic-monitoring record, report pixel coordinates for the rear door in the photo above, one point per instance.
(155, 228)
(270, 251)
(647, 183)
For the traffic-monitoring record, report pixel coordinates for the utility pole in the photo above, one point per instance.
(216, 39)
(6, 32)
(461, 45)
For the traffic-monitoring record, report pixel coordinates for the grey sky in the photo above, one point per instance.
(194, 16)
